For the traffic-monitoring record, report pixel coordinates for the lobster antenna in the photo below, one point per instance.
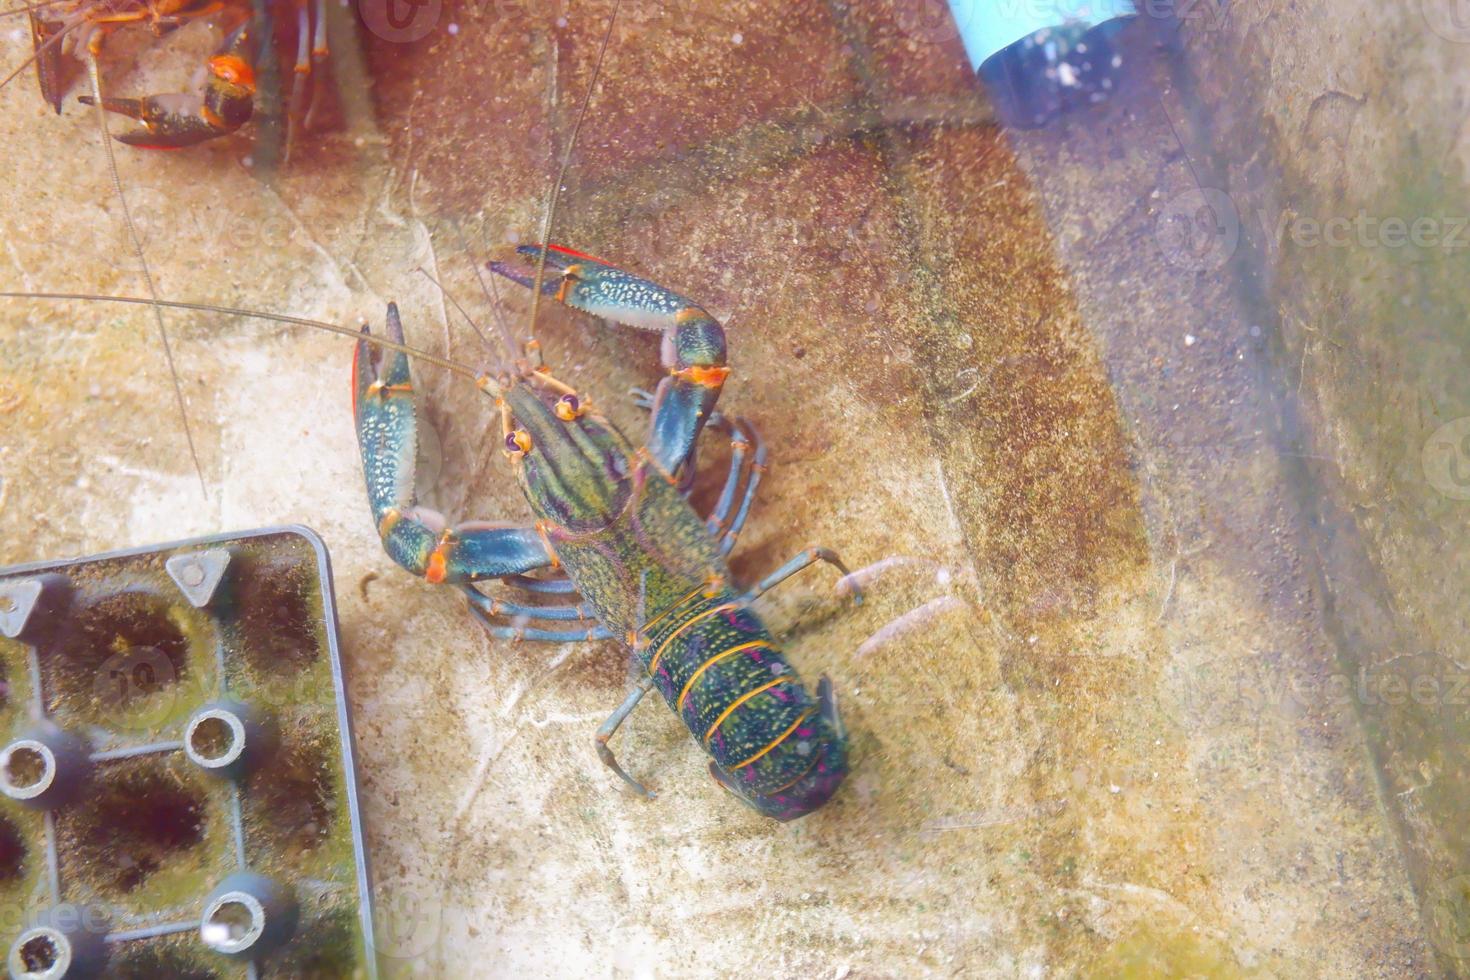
(491, 294)
(455, 303)
(30, 8)
(122, 199)
(383, 342)
(561, 172)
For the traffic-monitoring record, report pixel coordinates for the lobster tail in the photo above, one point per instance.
(818, 751)
(772, 743)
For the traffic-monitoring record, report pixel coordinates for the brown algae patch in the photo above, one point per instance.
(119, 657)
(278, 610)
(292, 802)
(139, 820)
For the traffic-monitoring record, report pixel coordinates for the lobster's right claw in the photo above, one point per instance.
(593, 286)
(693, 347)
(176, 120)
(416, 537)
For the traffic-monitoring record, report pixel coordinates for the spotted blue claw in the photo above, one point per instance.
(416, 537)
(694, 350)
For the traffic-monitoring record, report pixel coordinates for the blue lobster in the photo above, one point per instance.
(633, 561)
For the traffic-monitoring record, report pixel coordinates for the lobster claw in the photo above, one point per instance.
(179, 119)
(387, 421)
(170, 122)
(593, 286)
(525, 275)
(55, 72)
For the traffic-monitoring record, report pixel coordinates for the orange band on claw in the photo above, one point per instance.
(708, 377)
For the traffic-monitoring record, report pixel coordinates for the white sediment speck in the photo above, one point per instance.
(1189, 339)
(737, 38)
(453, 29)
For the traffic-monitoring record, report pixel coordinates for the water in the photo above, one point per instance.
(1147, 483)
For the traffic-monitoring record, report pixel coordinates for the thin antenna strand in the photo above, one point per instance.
(298, 321)
(561, 172)
(168, 355)
(455, 303)
(492, 295)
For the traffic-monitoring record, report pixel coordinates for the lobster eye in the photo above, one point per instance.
(518, 443)
(568, 407)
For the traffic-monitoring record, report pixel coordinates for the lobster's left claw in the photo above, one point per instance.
(693, 344)
(416, 537)
(525, 275)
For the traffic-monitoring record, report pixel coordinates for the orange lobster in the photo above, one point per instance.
(68, 34)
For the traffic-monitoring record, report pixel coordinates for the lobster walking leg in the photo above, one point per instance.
(804, 560)
(581, 612)
(502, 631)
(737, 524)
(743, 435)
(311, 55)
(541, 586)
(417, 537)
(484, 607)
(610, 726)
(693, 348)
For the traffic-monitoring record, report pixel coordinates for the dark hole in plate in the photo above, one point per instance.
(136, 821)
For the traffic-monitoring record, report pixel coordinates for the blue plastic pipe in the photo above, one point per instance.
(987, 26)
